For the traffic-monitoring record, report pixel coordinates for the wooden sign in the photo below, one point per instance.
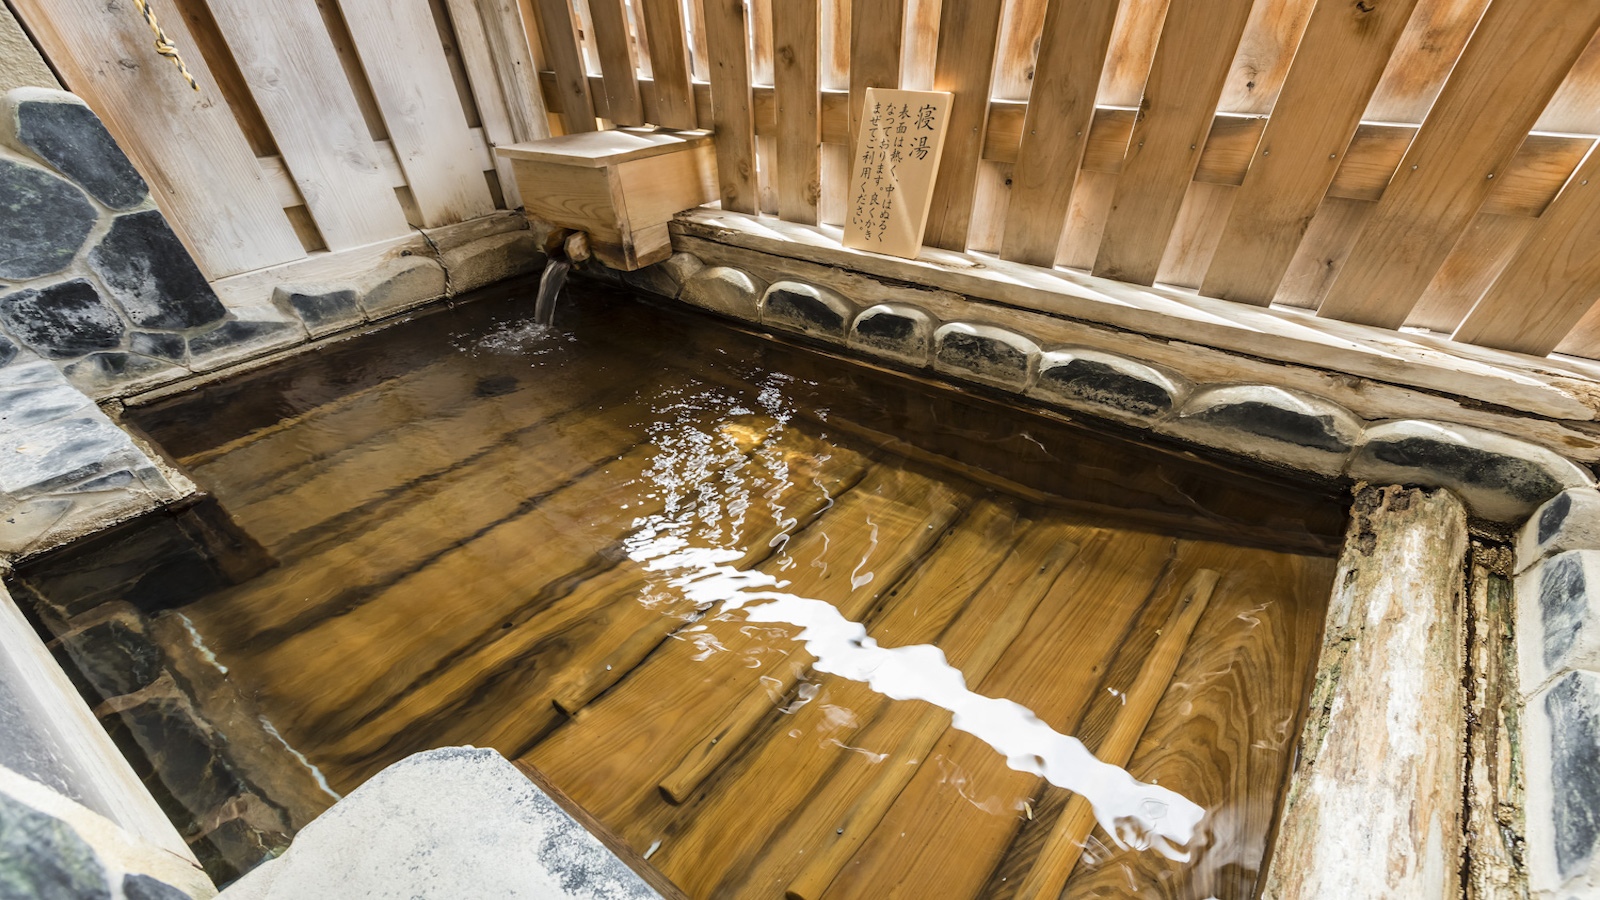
(891, 180)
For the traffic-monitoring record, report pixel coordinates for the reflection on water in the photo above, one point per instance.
(791, 625)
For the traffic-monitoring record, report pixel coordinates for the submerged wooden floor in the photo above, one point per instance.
(477, 552)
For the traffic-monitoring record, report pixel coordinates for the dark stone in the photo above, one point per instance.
(806, 310)
(237, 846)
(8, 350)
(1520, 478)
(1272, 421)
(1573, 708)
(331, 308)
(887, 329)
(119, 478)
(983, 355)
(109, 369)
(143, 887)
(150, 273)
(160, 346)
(1099, 383)
(43, 221)
(63, 320)
(42, 858)
(187, 759)
(1554, 516)
(1563, 605)
(70, 137)
(115, 656)
(235, 332)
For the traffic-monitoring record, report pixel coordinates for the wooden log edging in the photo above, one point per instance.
(1173, 390)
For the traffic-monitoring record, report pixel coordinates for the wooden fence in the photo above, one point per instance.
(1420, 163)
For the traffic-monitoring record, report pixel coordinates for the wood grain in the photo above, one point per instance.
(669, 63)
(731, 107)
(572, 81)
(968, 33)
(618, 63)
(875, 32)
(796, 26)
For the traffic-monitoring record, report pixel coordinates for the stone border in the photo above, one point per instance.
(1501, 478)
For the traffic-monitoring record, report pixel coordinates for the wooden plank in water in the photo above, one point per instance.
(398, 44)
(1191, 63)
(969, 31)
(1066, 841)
(283, 49)
(732, 111)
(612, 756)
(796, 28)
(1513, 64)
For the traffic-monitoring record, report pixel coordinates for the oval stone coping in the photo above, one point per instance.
(723, 289)
(1107, 384)
(985, 354)
(894, 330)
(807, 309)
(1269, 423)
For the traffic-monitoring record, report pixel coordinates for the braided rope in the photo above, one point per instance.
(164, 46)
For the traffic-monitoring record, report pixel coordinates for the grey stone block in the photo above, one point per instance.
(491, 259)
(806, 308)
(8, 350)
(1500, 478)
(63, 320)
(235, 341)
(27, 405)
(150, 273)
(1561, 752)
(62, 131)
(115, 654)
(45, 223)
(1272, 424)
(1568, 521)
(170, 347)
(43, 858)
(55, 454)
(398, 285)
(723, 289)
(1558, 616)
(143, 887)
(1109, 385)
(665, 278)
(24, 522)
(102, 374)
(895, 330)
(454, 822)
(985, 354)
(324, 309)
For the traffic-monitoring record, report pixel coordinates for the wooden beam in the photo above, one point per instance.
(618, 65)
(1055, 132)
(669, 63)
(1191, 62)
(796, 28)
(1552, 281)
(398, 44)
(1374, 802)
(732, 110)
(572, 80)
(1513, 64)
(1340, 60)
(968, 33)
(186, 144)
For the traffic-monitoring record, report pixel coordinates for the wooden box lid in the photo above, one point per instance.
(597, 149)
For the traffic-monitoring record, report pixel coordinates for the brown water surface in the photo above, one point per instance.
(595, 548)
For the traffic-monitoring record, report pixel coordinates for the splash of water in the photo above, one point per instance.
(1135, 814)
(555, 275)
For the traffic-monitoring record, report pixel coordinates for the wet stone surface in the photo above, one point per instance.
(148, 271)
(70, 137)
(985, 354)
(63, 320)
(8, 350)
(115, 655)
(45, 221)
(1572, 707)
(901, 332)
(1105, 383)
(42, 858)
(235, 340)
(1568, 521)
(323, 309)
(143, 887)
(806, 308)
(725, 290)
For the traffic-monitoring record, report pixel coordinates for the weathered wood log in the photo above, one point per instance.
(1374, 803)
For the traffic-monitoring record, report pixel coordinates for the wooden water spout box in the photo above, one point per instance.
(619, 187)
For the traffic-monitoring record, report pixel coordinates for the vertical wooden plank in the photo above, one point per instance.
(835, 76)
(1474, 263)
(968, 33)
(618, 65)
(400, 52)
(669, 62)
(731, 108)
(795, 28)
(289, 63)
(875, 29)
(1334, 229)
(1338, 65)
(1428, 49)
(698, 50)
(1193, 241)
(187, 144)
(1513, 64)
(1180, 99)
(478, 58)
(1015, 59)
(1272, 37)
(513, 55)
(1072, 53)
(1133, 47)
(920, 45)
(572, 79)
(1552, 281)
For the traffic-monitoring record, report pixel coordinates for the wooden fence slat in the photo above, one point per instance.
(1555, 276)
(1422, 60)
(399, 48)
(1513, 64)
(1072, 53)
(875, 30)
(293, 72)
(1340, 60)
(572, 79)
(1272, 36)
(796, 27)
(969, 31)
(669, 62)
(187, 144)
(732, 110)
(1180, 98)
(1474, 263)
(513, 46)
(478, 58)
(618, 65)
(698, 51)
